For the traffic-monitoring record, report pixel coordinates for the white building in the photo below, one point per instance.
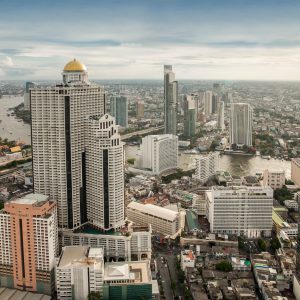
(295, 170)
(206, 166)
(104, 160)
(79, 271)
(220, 116)
(187, 259)
(159, 153)
(162, 220)
(240, 210)
(274, 179)
(58, 115)
(293, 204)
(208, 103)
(241, 124)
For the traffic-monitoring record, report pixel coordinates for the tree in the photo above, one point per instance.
(224, 266)
(275, 244)
(94, 296)
(262, 245)
(241, 242)
(181, 276)
(173, 286)
(131, 161)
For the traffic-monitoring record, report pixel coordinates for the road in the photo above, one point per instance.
(165, 277)
(141, 132)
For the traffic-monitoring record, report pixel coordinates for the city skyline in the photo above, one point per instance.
(207, 40)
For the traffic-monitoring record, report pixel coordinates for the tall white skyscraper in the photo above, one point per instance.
(104, 173)
(241, 124)
(220, 116)
(206, 166)
(208, 103)
(58, 115)
(170, 100)
(159, 152)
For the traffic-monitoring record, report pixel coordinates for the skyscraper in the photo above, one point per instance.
(189, 116)
(140, 109)
(220, 116)
(207, 103)
(119, 110)
(28, 86)
(241, 124)
(29, 244)
(104, 173)
(170, 100)
(58, 115)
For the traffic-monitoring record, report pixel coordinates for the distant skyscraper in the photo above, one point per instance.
(119, 110)
(170, 100)
(140, 109)
(208, 103)
(104, 173)
(189, 116)
(220, 116)
(29, 244)
(58, 115)
(241, 124)
(28, 86)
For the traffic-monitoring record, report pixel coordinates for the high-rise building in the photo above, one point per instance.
(240, 210)
(295, 170)
(220, 116)
(29, 244)
(119, 110)
(104, 160)
(28, 86)
(241, 124)
(214, 103)
(170, 100)
(58, 115)
(159, 153)
(207, 103)
(140, 109)
(189, 116)
(206, 166)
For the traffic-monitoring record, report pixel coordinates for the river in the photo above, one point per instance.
(240, 165)
(10, 127)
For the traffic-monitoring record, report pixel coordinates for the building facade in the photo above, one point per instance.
(274, 179)
(220, 116)
(140, 109)
(189, 116)
(170, 100)
(240, 210)
(162, 220)
(295, 170)
(241, 124)
(207, 103)
(119, 110)
(104, 162)
(159, 153)
(29, 244)
(206, 166)
(28, 86)
(58, 115)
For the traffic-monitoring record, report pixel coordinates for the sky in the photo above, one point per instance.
(133, 39)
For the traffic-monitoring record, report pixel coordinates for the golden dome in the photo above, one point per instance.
(74, 66)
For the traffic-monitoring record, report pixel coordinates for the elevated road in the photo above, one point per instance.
(142, 132)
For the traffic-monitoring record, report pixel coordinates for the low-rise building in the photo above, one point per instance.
(274, 178)
(187, 259)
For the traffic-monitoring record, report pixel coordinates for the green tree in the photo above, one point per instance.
(181, 276)
(262, 245)
(241, 242)
(224, 266)
(94, 296)
(275, 244)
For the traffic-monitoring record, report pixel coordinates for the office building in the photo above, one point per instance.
(28, 86)
(170, 100)
(206, 166)
(29, 244)
(207, 103)
(274, 179)
(189, 116)
(104, 165)
(295, 170)
(214, 103)
(119, 110)
(128, 280)
(241, 124)
(79, 272)
(58, 115)
(240, 210)
(220, 116)
(159, 153)
(140, 109)
(162, 220)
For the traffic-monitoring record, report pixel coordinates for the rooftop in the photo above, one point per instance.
(192, 220)
(154, 210)
(72, 253)
(12, 294)
(31, 199)
(74, 66)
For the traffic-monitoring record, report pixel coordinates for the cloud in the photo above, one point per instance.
(7, 62)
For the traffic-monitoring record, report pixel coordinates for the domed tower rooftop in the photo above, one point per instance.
(75, 72)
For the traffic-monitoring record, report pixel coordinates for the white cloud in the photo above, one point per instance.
(7, 62)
